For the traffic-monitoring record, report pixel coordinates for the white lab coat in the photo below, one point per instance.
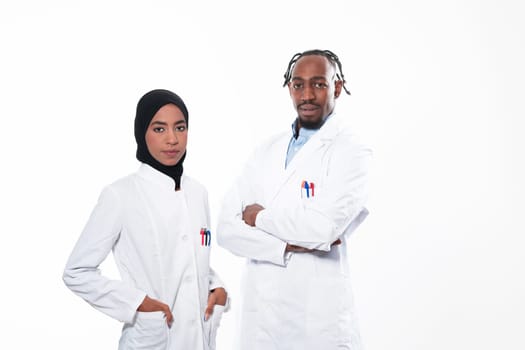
(154, 232)
(298, 301)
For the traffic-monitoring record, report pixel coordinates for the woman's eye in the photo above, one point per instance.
(158, 129)
(181, 128)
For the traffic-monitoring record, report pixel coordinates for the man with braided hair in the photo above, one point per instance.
(291, 212)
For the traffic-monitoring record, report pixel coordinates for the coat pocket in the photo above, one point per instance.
(148, 331)
(211, 326)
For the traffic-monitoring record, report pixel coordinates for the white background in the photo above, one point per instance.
(437, 91)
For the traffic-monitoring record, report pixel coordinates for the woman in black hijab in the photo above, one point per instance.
(156, 222)
(148, 105)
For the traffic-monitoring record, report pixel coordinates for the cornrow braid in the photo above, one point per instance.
(332, 57)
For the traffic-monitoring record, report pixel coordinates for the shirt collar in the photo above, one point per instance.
(304, 131)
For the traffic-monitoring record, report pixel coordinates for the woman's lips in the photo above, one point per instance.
(171, 152)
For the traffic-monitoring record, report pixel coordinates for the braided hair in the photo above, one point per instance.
(332, 58)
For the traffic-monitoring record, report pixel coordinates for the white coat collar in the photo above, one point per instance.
(330, 128)
(320, 139)
(151, 174)
(325, 135)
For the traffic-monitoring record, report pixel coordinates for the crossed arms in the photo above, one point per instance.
(249, 215)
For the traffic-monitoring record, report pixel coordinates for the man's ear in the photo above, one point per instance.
(338, 88)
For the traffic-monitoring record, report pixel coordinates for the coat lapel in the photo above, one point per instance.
(320, 139)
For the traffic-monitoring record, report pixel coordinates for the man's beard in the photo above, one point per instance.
(311, 124)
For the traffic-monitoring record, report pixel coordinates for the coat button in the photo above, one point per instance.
(185, 237)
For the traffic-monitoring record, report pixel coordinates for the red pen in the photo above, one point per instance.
(203, 232)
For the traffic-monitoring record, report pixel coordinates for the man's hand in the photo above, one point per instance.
(218, 296)
(250, 213)
(336, 242)
(298, 249)
(150, 305)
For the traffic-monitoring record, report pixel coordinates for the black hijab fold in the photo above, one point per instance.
(147, 106)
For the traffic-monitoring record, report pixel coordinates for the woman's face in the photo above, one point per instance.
(167, 135)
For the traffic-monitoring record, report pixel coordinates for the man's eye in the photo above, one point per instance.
(320, 85)
(297, 86)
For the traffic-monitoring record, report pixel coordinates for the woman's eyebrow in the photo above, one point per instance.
(158, 122)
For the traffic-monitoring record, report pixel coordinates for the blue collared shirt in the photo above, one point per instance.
(298, 141)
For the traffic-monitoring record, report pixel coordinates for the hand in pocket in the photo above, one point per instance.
(151, 305)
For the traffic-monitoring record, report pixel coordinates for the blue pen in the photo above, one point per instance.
(306, 188)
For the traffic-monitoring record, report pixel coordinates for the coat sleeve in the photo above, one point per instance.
(216, 282)
(338, 208)
(82, 274)
(238, 237)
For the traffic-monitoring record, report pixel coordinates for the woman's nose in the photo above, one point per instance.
(172, 137)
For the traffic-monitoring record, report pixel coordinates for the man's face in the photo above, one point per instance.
(313, 90)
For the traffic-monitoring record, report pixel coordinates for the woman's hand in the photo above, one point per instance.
(218, 296)
(151, 305)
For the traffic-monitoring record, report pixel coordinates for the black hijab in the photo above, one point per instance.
(147, 106)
